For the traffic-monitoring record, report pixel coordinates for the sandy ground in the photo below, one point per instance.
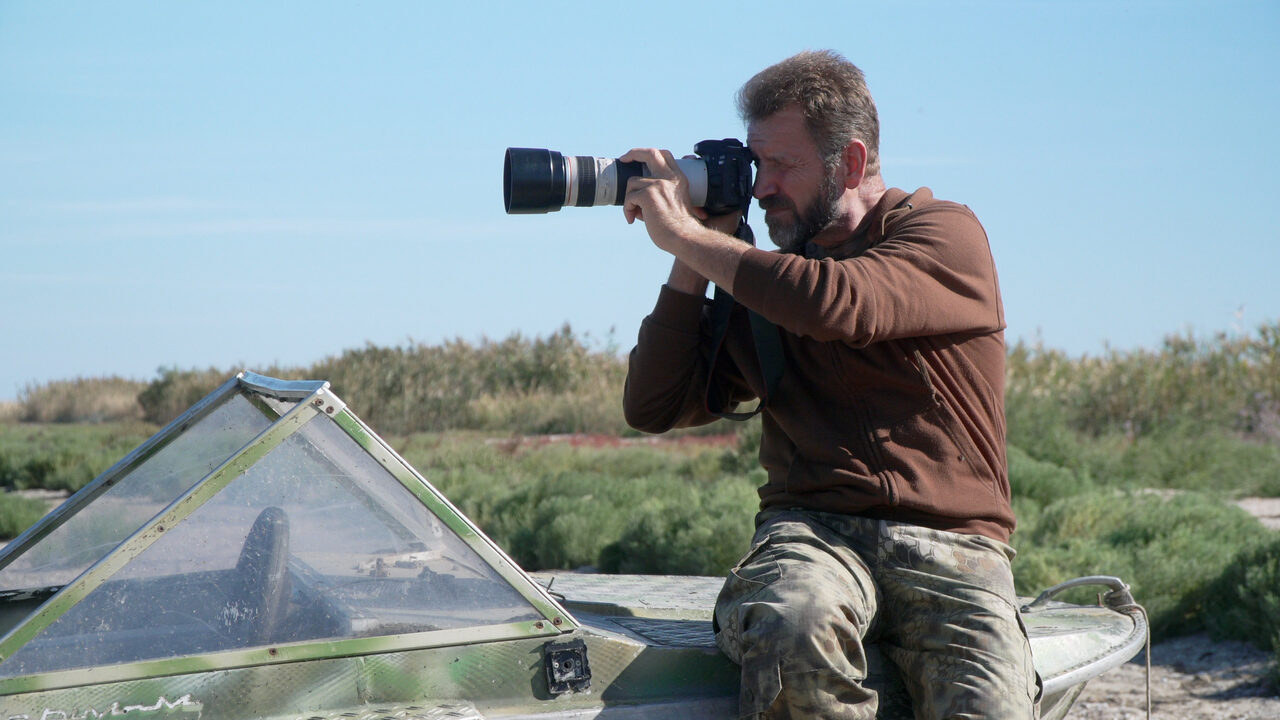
(1267, 510)
(1191, 678)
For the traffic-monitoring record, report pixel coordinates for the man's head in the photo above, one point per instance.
(813, 125)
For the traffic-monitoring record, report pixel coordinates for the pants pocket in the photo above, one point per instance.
(752, 574)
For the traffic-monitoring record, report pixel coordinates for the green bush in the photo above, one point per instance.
(1170, 550)
(1188, 456)
(175, 390)
(1043, 482)
(18, 513)
(63, 457)
(687, 530)
(619, 507)
(1226, 382)
(1246, 597)
(1073, 412)
(556, 384)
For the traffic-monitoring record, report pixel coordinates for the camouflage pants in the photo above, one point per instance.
(822, 600)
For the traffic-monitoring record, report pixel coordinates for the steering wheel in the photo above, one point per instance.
(263, 568)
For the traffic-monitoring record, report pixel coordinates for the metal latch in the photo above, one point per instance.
(567, 667)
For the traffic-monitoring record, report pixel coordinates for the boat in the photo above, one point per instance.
(267, 555)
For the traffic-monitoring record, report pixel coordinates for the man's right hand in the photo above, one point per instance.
(727, 224)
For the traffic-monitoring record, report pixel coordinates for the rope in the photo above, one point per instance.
(1122, 601)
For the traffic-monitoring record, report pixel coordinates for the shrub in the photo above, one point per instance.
(1247, 601)
(63, 457)
(1169, 549)
(1086, 436)
(176, 390)
(1225, 382)
(1247, 597)
(545, 385)
(1186, 455)
(18, 513)
(667, 508)
(692, 531)
(1043, 482)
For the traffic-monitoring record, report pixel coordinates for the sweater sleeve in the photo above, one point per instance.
(667, 369)
(933, 274)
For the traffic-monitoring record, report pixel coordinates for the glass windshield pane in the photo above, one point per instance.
(136, 497)
(315, 541)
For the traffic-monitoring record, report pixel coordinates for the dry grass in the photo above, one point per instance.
(86, 400)
(10, 412)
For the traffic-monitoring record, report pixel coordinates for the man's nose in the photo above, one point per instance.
(763, 187)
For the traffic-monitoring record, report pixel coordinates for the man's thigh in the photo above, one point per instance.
(952, 625)
(793, 614)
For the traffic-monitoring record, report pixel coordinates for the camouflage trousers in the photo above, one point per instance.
(822, 600)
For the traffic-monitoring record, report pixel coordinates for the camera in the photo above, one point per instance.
(540, 181)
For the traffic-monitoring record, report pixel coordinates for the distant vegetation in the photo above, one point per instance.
(1121, 464)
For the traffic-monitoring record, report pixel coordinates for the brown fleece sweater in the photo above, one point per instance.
(892, 402)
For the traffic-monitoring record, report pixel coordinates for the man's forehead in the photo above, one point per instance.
(783, 129)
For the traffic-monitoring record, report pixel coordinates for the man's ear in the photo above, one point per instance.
(855, 163)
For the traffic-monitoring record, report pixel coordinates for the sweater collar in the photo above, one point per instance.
(874, 226)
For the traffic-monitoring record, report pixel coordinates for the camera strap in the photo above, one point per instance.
(765, 337)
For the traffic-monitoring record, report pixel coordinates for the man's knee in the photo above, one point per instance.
(798, 593)
(802, 659)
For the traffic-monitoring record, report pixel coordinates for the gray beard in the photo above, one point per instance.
(791, 237)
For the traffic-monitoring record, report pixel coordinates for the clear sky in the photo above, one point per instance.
(235, 184)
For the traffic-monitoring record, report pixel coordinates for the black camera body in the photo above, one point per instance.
(541, 181)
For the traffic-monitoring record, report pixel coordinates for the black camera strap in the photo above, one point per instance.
(764, 334)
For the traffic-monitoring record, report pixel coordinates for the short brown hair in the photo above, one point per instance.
(830, 91)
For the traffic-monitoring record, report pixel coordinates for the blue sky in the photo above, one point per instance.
(240, 184)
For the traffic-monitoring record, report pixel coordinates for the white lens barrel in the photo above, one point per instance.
(696, 171)
(538, 181)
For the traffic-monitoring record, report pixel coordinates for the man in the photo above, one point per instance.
(885, 518)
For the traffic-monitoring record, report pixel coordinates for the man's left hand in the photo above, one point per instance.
(661, 201)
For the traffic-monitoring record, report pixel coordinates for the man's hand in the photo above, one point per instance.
(727, 224)
(661, 201)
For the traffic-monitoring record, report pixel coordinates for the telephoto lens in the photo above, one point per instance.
(540, 181)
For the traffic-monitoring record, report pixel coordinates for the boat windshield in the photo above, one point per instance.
(136, 496)
(316, 540)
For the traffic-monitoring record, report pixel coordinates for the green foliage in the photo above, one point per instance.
(744, 457)
(1246, 597)
(63, 457)
(1227, 382)
(555, 384)
(686, 530)
(18, 513)
(1042, 482)
(619, 507)
(1206, 461)
(175, 390)
(1171, 549)
(1069, 411)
